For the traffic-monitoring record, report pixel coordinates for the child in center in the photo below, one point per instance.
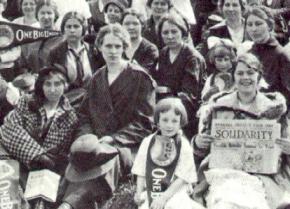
(164, 164)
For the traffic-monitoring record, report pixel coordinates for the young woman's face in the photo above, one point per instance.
(132, 24)
(28, 7)
(46, 17)
(169, 123)
(112, 49)
(53, 88)
(114, 13)
(246, 78)
(258, 29)
(232, 9)
(73, 30)
(171, 35)
(159, 8)
(223, 64)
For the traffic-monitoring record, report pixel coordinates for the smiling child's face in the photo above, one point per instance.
(169, 123)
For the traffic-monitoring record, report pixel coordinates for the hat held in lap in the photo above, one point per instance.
(89, 158)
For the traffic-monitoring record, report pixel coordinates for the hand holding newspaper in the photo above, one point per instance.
(42, 183)
(248, 145)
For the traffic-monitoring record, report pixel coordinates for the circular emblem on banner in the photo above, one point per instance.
(6, 35)
(163, 152)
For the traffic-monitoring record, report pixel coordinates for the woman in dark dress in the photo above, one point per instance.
(180, 67)
(275, 61)
(142, 51)
(116, 111)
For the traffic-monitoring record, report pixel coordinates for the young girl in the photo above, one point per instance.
(221, 59)
(164, 164)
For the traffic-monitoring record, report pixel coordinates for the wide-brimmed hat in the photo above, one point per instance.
(89, 158)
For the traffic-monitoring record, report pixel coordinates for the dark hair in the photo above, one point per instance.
(222, 2)
(49, 3)
(134, 13)
(169, 2)
(122, 4)
(117, 30)
(263, 13)
(251, 61)
(175, 19)
(45, 73)
(222, 49)
(74, 15)
(21, 2)
(171, 103)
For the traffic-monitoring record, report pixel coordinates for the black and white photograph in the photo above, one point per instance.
(144, 104)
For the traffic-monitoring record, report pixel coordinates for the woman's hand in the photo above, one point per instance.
(42, 162)
(203, 141)
(284, 145)
(159, 202)
(138, 199)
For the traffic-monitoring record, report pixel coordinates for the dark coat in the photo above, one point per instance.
(58, 55)
(276, 66)
(146, 55)
(150, 33)
(121, 110)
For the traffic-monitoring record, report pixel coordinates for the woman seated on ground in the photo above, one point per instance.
(142, 51)
(115, 112)
(74, 54)
(275, 60)
(37, 132)
(180, 67)
(232, 186)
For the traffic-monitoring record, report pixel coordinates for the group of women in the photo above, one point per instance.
(101, 93)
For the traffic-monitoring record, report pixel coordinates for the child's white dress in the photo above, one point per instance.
(185, 169)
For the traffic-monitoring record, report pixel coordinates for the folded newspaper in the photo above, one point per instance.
(42, 184)
(248, 145)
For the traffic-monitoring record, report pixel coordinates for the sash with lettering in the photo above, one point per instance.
(12, 34)
(161, 164)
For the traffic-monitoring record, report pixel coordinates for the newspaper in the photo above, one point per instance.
(247, 145)
(42, 184)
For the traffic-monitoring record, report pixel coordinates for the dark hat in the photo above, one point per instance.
(89, 158)
(24, 80)
(122, 4)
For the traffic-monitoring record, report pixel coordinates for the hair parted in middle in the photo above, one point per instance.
(175, 19)
(136, 14)
(117, 30)
(171, 103)
(263, 13)
(74, 15)
(45, 73)
(49, 3)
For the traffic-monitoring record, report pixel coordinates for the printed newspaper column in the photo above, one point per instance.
(247, 145)
(9, 185)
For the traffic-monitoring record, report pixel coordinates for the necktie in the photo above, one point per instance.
(79, 67)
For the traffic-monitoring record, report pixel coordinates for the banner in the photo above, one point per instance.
(12, 34)
(9, 185)
(248, 145)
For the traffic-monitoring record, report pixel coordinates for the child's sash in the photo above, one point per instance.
(159, 171)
